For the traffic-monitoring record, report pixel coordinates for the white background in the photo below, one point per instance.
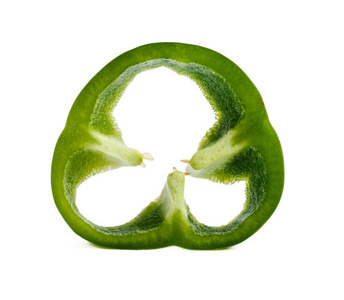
(291, 50)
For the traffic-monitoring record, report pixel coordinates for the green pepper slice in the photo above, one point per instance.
(241, 145)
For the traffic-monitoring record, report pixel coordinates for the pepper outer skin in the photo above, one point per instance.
(242, 145)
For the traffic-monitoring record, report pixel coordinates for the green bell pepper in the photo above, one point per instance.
(241, 145)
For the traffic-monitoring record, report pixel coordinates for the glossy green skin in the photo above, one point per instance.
(243, 147)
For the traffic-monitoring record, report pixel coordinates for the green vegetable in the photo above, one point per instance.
(241, 145)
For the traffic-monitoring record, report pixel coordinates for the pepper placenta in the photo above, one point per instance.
(241, 145)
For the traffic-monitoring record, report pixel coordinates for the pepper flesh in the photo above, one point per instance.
(242, 145)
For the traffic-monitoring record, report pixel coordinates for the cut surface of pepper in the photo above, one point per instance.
(241, 145)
